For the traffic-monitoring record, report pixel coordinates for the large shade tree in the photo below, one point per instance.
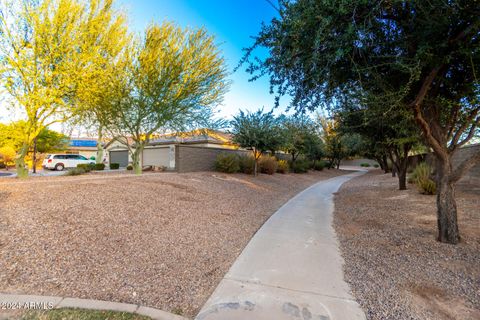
(50, 53)
(423, 56)
(170, 79)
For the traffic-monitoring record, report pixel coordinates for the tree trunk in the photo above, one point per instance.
(402, 179)
(385, 163)
(99, 146)
(137, 166)
(255, 165)
(34, 166)
(446, 204)
(22, 172)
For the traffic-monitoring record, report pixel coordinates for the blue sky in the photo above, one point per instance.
(233, 22)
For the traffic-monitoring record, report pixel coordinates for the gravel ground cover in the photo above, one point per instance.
(162, 240)
(395, 267)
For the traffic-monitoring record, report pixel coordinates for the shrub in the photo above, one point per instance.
(365, 164)
(247, 164)
(300, 166)
(427, 186)
(227, 162)
(85, 166)
(268, 164)
(376, 165)
(421, 177)
(99, 166)
(319, 165)
(75, 171)
(282, 166)
(129, 167)
(114, 166)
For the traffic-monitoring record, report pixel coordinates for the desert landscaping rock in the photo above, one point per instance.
(396, 268)
(162, 240)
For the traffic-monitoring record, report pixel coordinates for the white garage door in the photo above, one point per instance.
(156, 157)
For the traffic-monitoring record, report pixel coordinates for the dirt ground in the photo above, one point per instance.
(396, 268)
(162, 240)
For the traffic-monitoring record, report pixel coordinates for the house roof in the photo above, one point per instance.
(193, 137)
(83, 142)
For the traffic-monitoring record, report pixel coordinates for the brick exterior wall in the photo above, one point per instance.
(191, 158)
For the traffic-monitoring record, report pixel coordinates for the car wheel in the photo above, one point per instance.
(59, 167)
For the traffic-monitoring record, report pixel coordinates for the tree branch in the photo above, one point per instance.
(417, 111)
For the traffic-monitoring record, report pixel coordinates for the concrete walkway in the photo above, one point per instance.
(292, 267)
(15, 302)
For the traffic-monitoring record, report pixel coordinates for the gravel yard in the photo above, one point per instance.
(162, 240)
(396, 268)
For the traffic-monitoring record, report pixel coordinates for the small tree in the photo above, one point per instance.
(296, 132)
(169, 80)
(256, 131)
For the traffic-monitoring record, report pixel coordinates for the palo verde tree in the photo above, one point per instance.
(257, 131)
(424, 55)
(171, 79)
(48, 50)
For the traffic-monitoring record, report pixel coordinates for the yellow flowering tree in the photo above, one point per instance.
(52, 54)
(170, 79)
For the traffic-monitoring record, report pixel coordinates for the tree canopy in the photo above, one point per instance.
(51, 53)
(419, 56)
(171, 79)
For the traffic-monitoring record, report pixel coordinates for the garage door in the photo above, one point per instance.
(120, 157)
(156, 157)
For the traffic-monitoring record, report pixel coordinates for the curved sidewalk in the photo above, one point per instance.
(32, 302)
(292, 267)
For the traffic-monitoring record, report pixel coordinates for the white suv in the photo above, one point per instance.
(62, 161)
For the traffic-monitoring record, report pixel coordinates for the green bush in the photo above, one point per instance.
(283, 166)
(365, 164)
(421, 176)
(427, 186)
(268, 164)
(114, 166)
(87, 167)
(247, 164)
(376, 165)
(227, 162)
(129, 167)
(99, 166)
(319, 165)
(300, 166)
(75, 171)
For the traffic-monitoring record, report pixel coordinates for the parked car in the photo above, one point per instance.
(62, 161)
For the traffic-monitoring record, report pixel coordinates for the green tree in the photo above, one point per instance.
(51, 141)
(420, 55)
(298, 135)
(395, 135)
(257, 131)
(50, 53)
(171, 79)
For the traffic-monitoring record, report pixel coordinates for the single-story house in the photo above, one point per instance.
(168, 149)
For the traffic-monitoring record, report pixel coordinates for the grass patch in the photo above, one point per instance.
(81, 314)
